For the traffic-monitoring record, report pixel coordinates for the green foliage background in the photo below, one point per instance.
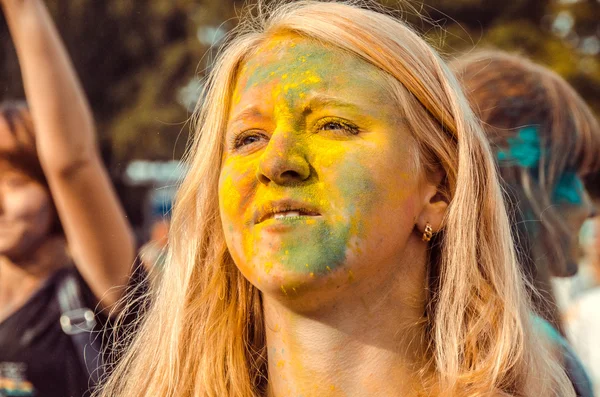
(142, 62)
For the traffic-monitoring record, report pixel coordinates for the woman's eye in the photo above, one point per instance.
(14, 181)
(333, 126)
(339, 126)
(247, 139)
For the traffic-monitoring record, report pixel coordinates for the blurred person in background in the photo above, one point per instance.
(153, 253)
(582, 313)
(569, 289)
(546, 140)
(65, 245)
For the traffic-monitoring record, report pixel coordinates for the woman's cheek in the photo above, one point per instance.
(28, 202)
(236, 190)
(30, 205)
(229, 197)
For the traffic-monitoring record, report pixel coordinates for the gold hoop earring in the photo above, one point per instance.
(428, 233)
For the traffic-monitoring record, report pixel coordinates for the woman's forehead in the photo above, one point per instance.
(15, 133)
(288, 47)
(291, 68)
(7, 164)
(291, 57)
(20, 160)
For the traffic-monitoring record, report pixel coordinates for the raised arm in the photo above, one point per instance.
(97, 232)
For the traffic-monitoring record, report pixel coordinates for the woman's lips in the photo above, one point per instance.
(285, 209)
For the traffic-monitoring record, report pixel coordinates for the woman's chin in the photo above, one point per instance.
(291, 285)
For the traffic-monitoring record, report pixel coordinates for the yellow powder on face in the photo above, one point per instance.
(280, 86)
(268, 267)
(233, 196)
(297, 83)
(301, 82)
(280, 364)
(236, 97)
(350, 276)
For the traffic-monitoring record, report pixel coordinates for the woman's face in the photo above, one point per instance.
(26, 212)
(319, 186)
(589, 238)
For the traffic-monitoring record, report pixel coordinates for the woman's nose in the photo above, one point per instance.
(283, 161)
(588, 204)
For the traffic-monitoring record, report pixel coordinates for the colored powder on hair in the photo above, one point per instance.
(569, 189)
(524, 149)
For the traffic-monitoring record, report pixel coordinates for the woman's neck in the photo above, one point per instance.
(366, 344)
(20, 279)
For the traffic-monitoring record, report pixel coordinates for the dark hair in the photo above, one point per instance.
(23, 156)
(521, 102)
(592, 184)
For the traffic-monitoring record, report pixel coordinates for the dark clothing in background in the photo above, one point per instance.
(36, 357)
(572, 364)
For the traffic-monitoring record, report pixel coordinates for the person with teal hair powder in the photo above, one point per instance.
(546, 140)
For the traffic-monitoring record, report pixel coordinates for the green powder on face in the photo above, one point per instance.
(301, 69)
(330, 252)
(325, 249)
(280, 81)
(296, 66)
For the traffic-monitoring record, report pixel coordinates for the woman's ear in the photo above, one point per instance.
(435, 203)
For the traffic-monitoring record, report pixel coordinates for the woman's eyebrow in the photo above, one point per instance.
(322, 101)
(249, 112)
(315, 102)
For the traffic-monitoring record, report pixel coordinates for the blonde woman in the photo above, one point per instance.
(545, 140)
(341, 231)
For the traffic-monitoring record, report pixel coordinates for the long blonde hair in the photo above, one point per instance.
(204, 333)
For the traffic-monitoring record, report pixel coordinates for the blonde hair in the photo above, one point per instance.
(204, 334)
(510, 93)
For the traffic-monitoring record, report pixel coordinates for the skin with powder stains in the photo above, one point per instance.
(316, 131)
(314, 125)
